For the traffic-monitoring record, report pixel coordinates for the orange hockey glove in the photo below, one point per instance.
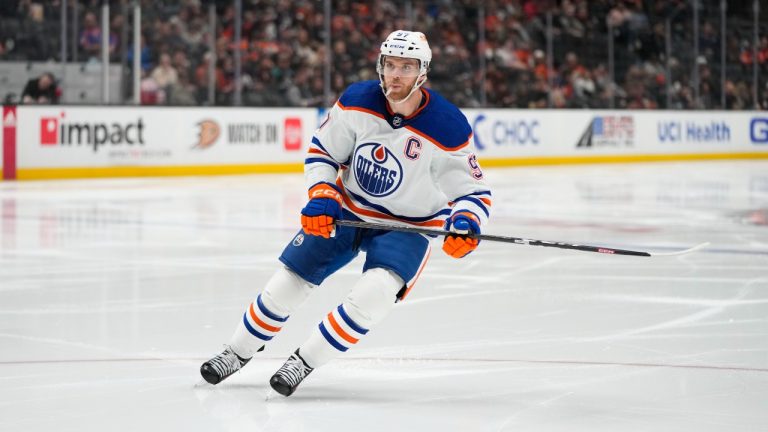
(460, 245)
(322, 210)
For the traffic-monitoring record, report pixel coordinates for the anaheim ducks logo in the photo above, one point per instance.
(208, 134)
(377, 170)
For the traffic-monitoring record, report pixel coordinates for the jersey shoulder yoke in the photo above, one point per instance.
(364, 95)
(443, 123)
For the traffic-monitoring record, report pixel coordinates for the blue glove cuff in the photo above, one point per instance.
(462, 222)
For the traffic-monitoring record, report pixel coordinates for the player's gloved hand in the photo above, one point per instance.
(322, 210)
(460, 245)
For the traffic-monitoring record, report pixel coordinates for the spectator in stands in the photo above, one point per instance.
(90, 38)
(286, 38)
(165, 74)
(762, 53)
(145, 55)
(201, 78)
(41, 90)
(150, 94)
(183, 92)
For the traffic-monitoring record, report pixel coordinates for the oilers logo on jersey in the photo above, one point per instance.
(377, 170)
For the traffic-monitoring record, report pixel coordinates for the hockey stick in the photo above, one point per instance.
(518, 240)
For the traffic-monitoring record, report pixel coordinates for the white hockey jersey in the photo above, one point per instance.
(413, 170)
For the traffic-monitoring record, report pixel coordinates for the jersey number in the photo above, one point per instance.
(474, 166)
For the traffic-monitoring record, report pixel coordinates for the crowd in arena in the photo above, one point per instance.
(283, 50)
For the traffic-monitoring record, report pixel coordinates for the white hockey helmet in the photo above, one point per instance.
(406, 44)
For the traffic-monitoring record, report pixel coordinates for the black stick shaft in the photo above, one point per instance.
(497, 238)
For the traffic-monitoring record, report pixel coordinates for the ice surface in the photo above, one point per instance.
(112, 292)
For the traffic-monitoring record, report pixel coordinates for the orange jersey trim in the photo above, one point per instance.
(415, 278)
(415, 113)
(410, 128)
(436, 142)
(378, 215)
(367, 111)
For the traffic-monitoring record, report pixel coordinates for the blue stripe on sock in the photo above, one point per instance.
(267, 312)
(253, 331)
(330, 339)
(349, 321)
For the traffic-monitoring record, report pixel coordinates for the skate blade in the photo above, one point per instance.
(201, 384)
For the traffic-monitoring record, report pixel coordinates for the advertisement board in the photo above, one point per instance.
(758, 129)
(8, 129)
(66, 142)
(2, 147)
(55, 137)
(576, 133)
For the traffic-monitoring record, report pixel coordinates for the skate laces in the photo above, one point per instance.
(226, 363)
(294, 370)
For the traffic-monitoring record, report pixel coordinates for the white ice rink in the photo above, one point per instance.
(112, 292)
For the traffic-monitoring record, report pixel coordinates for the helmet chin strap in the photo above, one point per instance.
(416, 85)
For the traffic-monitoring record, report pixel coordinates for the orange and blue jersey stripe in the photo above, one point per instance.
(481, 200)
(318, 154)
(428, 122)
(363, 208)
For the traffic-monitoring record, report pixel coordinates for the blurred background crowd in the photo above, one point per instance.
(498, 53)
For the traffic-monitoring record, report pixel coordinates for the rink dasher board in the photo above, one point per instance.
(94, 141)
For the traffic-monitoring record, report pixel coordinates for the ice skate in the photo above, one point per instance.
(223, 365)
(290, 375)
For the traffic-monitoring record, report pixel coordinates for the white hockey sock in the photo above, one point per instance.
(267, 314)
(367, 304)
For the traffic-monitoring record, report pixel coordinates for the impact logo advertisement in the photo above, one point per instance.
(57, 131)
(609, 131)
(758, 130)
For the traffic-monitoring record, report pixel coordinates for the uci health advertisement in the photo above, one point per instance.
(567, 133)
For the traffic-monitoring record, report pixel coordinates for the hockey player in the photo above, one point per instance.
(389, 151)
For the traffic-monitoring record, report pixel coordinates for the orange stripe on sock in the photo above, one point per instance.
(261, 323)
(340, 330)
